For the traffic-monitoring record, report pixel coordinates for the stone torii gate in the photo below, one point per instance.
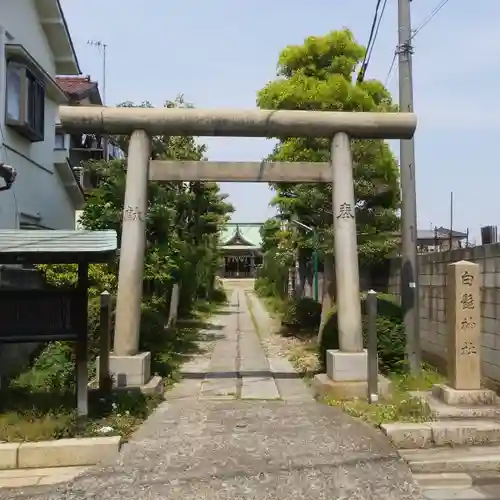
(349, 363)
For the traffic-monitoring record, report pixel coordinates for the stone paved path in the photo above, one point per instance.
(242, 425)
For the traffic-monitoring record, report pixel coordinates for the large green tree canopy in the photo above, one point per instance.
(184, 219)
(319, 75)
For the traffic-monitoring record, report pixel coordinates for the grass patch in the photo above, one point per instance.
(26, 415)
(40, 404)
(299, 344)
(304, 358)
(274, 305)
(401, 407)
(405, 382)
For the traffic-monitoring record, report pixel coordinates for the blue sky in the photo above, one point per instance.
(220, 53)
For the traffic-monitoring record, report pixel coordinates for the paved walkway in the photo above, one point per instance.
(242, 425)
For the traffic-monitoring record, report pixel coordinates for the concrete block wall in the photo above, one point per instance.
(432, 272)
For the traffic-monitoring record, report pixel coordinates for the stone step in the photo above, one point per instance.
(469, 459)
(454, 432)
(442, 411)
(448, 480)
(457, 480)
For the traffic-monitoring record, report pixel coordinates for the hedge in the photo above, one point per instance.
(390, 333)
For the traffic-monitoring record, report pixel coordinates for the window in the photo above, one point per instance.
(25, 108)
(13, 95)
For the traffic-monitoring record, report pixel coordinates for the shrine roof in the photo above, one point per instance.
(19, 246)
(241, 234)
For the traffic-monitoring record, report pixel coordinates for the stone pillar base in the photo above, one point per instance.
(346, 377)
(129, 371)
(468, 397)
(347, 366)
(324, 386)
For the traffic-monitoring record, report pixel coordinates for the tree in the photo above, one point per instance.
(319, 75)
(163, 146)
(183, 224)
(183, 220)
(278, 250)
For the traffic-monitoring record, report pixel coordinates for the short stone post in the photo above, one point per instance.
(174, 305)
(464, 338)
(105, 381)
(371, 312)
(129, 367)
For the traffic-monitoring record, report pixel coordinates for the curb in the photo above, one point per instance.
(485, 479)
(467, 432)
(456, 480)
(58, 453)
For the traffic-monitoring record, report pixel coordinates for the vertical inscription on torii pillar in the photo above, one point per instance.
(464, 325)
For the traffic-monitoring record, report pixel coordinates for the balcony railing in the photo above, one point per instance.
(95, 143)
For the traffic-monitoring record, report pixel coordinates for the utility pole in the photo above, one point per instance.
(102, 46)
(409, 264)
(451, 221)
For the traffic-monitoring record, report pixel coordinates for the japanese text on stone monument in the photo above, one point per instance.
(467, 279)
(468, 348)
(133, 213)
(467, 301)
(345, 211)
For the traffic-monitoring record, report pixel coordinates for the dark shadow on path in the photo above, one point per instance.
(236, 374)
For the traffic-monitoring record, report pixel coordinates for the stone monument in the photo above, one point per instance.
(464, 339)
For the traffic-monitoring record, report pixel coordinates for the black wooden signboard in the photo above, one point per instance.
(38, 315)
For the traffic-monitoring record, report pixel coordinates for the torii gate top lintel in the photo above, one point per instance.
(237, 122)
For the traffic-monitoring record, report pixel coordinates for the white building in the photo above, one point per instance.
(35, 46)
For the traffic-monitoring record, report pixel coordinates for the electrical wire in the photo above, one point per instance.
(362, 69)
(389, 73)
(429, 18)
(422, 25)
(370, 51)
(371, 39)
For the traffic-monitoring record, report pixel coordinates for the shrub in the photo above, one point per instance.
(304, 313)
(390, 334)
(52, 370)
(272, 277)
(264, 287)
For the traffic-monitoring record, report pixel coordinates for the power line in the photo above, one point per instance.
(429, 18)
(372, 29)
(375, 37)
(389, 73)
(422, 25)
(371, 39)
